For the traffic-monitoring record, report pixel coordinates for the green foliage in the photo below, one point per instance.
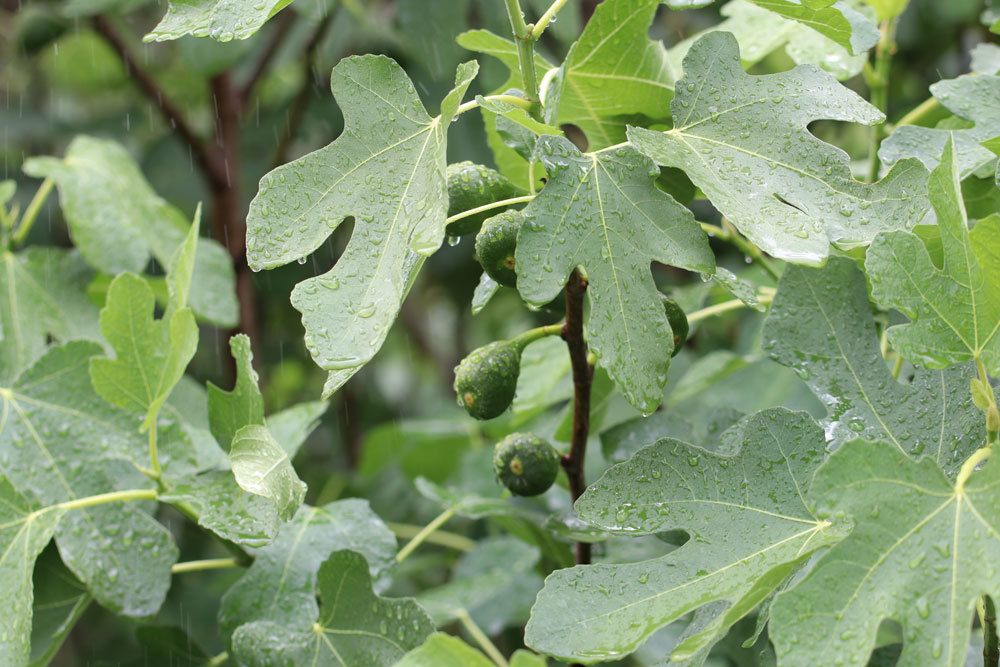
(388, 171)
(790, 372)
(954, 308)
(525, 464)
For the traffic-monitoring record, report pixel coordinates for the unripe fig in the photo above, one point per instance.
(678, 323)
(470, 186)
(485, 381)
(495, 245)
(525, 464)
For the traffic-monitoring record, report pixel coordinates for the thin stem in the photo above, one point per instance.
(897, 366)
(441, 538)
(583, 375)
(920, 113)
(548, 17)
(154, 454)
(103, 499)
(509, 99)
(969, 466)
(207, 564)
(992, 411)
(878, 82)
(764, 298)
(489, 207)
(489, 648)
(531, 335)
(218, 660)
(525, 48)
(424, 533)
(31, 213)
(991, 647)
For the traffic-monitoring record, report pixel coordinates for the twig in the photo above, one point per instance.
(583, 375)
(171, 112)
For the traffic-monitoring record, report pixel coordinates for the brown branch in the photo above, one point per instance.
(171, 113)
(284, 24)
(301, 102)
(583, 375)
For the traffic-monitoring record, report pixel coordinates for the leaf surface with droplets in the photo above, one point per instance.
(222, 20)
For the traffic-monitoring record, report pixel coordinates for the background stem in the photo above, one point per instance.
(583, 375)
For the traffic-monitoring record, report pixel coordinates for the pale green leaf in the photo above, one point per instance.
(985, 58)
(602, 212)
(921, 553)
(222, 20)
(490, 575)
(887, 10)
(837, 21)
(354, 626)
(744, 141)
(280, 585)
(972, 97)
(23, 534)
(117, 222)
(613, 70)
(821, 325)
(508, 161)
(749, 524)
(955, 308)
(760, 33)
(42, 295)
(387, 170)
(292, 426)
(441, 650)
(150, 354)
(262, 467)
(60, 441)
(229, 411)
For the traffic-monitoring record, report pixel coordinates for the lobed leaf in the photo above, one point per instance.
(921, 553)
(229, 411)
(387, 170)
(954, 309)
(820, 324)
(750, 526)
(744, 141)
(602, 212)
(117, 222)
(974, 98)
(354, 626)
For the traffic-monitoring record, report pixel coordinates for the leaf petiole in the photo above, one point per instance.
(31, 213)
(484, 642)
(207, 564)
(489, 207)
(424, 533)
(101, 499)
(764, 298)
(548, 17)
(509, 99)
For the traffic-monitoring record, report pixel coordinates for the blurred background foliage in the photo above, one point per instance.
(396, 420)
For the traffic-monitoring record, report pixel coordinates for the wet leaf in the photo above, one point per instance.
(222, 20)
(972, 97)
(60, 441)
(60, 600)
(262, 467)
(837, 21)
(921, 553)
(387, 170)
(821, 325)
(954, 309)
(602, 212)
(117, 222)
(744, 141)
(280, 585)
(749, 523)
(614, 69)
(42, 295)
(23, 534)
(229, 411)
(353, 626)
(441, 650)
